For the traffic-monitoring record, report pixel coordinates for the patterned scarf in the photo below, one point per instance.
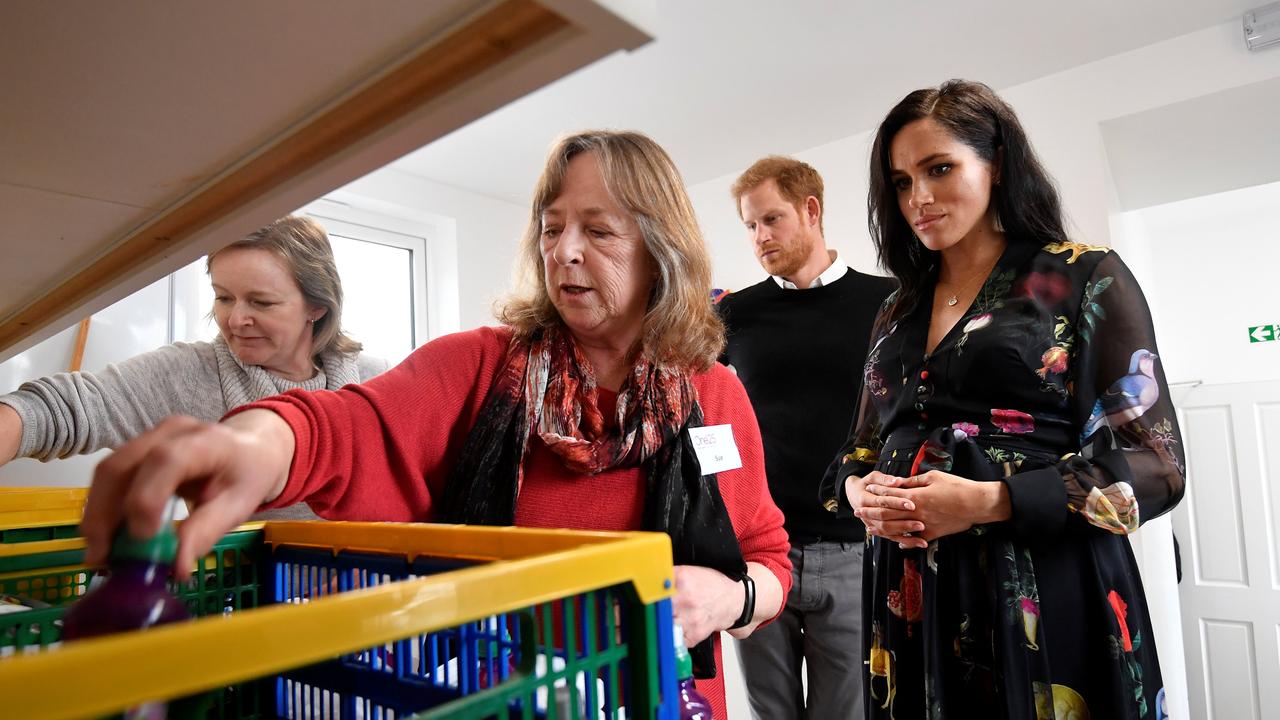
(547, 388)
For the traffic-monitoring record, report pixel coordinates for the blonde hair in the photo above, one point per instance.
(796, 181)
(680, 326)
(303, 245)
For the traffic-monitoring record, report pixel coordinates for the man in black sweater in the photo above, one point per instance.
(798, 341)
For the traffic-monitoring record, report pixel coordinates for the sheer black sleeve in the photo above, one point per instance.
(859, 454)
(1130, 465)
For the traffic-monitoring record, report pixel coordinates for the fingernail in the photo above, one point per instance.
(908, 506)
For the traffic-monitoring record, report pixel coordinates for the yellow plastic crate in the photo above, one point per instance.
(374, 620)
(29, 514)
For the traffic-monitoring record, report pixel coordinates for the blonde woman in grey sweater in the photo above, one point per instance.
(278, 307)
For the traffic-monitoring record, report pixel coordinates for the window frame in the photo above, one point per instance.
(429, 241)
(417, 247)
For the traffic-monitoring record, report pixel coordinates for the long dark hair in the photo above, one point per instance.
(1026, 201)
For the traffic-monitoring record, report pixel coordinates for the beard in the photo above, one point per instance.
(790, 257)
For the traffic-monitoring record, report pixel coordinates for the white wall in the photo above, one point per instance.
(1062, 114)
(1216, 260)
(476, 234)
(133, 325)
(1063, 111)
(1225, 141)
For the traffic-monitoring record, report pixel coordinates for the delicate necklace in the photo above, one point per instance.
(955, 296)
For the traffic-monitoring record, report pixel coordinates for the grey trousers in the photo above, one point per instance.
(821, 625)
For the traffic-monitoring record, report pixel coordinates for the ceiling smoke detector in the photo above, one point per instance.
(1262, 26)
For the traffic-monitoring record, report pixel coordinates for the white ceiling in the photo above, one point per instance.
(1224, 141)
(729, 80)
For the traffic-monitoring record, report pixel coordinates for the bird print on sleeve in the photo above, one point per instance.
(1128, 397)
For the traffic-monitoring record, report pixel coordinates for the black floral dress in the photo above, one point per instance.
(1049, 383)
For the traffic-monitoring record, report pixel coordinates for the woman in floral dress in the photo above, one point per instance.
(1015, 427)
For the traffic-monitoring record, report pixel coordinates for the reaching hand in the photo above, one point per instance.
(224, 471)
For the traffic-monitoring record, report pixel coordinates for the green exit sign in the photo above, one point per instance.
(1264, 333)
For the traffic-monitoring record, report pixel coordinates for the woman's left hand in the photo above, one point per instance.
(706, 601)
(947, 504)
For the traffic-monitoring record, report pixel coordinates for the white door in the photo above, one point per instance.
(1229, 529)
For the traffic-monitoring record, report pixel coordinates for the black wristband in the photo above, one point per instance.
(748, 602)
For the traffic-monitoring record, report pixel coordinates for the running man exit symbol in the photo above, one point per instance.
(1264, 333)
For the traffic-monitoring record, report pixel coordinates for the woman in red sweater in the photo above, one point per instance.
(586, 409)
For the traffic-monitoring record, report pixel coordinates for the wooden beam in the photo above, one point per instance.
(481, 44)
(82, 337)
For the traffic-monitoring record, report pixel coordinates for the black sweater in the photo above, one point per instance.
(799, 353)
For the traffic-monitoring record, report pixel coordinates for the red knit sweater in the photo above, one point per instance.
(382, 450)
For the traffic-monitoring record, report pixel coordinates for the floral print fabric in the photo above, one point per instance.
(1051, 383)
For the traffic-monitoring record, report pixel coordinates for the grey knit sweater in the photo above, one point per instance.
(74, 413)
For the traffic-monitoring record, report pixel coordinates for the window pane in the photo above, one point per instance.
(377, 286)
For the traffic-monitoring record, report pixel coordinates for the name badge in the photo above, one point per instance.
(715, 448)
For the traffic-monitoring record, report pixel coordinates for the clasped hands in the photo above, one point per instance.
(913, 511)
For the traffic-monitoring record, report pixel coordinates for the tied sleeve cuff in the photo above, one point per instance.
(1038, 499)
(1110, 502)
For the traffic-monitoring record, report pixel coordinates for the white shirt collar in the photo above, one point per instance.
(834, 272)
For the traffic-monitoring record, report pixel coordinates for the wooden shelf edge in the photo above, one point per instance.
(474, 47)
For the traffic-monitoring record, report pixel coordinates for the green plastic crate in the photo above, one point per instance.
(560, 625)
